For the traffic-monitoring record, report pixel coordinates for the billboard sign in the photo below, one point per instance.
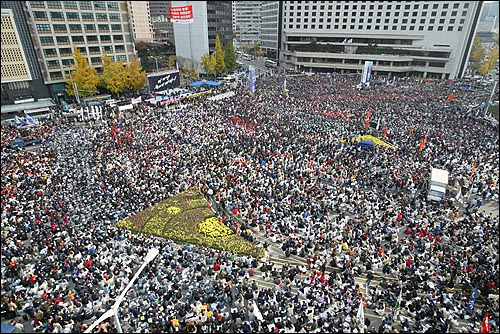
(181, 14)
(163, 80)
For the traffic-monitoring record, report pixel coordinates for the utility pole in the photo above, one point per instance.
(75, 88)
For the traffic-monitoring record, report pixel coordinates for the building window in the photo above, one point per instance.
(88, 16)
(96, 60)
(62, 40)
(113, 6)
(73, 16)
(43, 28)
(50, 52)
(107, 48)
(99, 5)
(65, 51)
(452, 21)
(86, 5)
(116, 27)
(444, 13)
(386, 27)
(412, 27)
(435, 6)
(56, 76)
(450, 28)
(40, 16)
(441, 21)
(464, 13)
(89, 27)
(52, 63)
(57, 16)
(440, 28)
(445, 6)
(54, 4)
(403, 27)
(77, 39)
(430, 28)
(70, 5)
(114, 17)
(101, 16)
(75, 27)
(46, 40)
(103, 27)
(421, 28)
(466, 5)
(37, 4)
(94, 50)
(460, 28)
(67, 62)
(117, 38)
(121, 58)
(92, 39)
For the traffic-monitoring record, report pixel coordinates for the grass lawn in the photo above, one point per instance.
(186, 218)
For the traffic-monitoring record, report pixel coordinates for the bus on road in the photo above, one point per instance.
(270, 63)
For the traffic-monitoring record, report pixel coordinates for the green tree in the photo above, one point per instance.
(136, 75)
(230, 57)
(114, 77)
(172, 60)
(220, 66)
(84, 76)
(257, 51)
(208, 62)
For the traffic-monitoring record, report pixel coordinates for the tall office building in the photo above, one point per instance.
(95, 27)
(141, 20)
(270, 30)
(21, 74)
(402, 38)
(162, 25)
(210, 18)
(246, 18)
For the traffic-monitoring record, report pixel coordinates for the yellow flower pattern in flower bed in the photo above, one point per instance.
(173, 210)
(212, 227)
(187, 219)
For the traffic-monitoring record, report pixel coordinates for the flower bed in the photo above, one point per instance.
(185, 218)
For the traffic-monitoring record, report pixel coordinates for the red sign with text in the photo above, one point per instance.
(182, 14)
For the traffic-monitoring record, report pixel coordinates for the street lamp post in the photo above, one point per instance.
(113, 311)
(156, 58)
(75, 88)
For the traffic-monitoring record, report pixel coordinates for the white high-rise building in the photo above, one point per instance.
(430, 39)
(140, 17)
(246, 23)
(269, 33)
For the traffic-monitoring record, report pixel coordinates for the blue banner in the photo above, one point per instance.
(251, 79)
(472, 300)
(366, 77)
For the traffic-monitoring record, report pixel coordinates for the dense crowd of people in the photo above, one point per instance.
(282, 164)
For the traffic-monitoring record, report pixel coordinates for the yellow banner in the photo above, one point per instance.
(375, 140)
(200, 94)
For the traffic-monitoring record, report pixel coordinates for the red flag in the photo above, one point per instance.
(450, 98)
(367, 118)
(473, 170)
(385, 132)
(485, 325)
(421, 147)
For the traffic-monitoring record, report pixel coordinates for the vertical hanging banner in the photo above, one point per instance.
(251, 79)
(181, 14)
(366, 77)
